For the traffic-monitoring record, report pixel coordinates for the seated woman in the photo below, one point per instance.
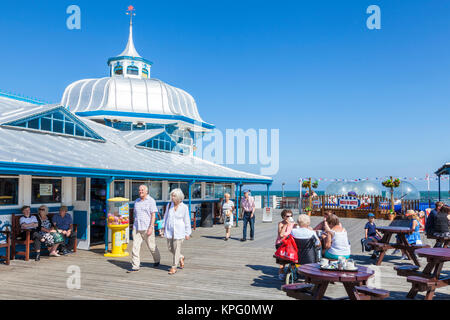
(413, 237)
(46, 233)
(284, 229)
(336, 241)
(307, 241)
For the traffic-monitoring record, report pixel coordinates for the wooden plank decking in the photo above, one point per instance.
(215, 269)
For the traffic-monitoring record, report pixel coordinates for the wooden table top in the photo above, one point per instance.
(442, 254)
(394, 229)
(313, 271)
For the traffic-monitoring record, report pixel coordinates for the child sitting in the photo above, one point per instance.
(371, 235)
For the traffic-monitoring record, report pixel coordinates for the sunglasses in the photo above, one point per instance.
(288, 216)
(41, 209)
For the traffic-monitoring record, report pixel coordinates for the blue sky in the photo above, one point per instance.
(349, 102)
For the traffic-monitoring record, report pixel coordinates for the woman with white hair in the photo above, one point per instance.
(227, 213)
(177, 227)
(306, 239)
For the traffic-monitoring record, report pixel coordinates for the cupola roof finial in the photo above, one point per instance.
(130, 50)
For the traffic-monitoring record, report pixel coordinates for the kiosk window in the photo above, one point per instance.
(45, 191)
(81, 189)
(197, 191)
(119, 189)
(218, 191)
(9, 191)
(156, 190)
(209, 191)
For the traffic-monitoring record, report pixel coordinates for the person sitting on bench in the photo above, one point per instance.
(336, 242)
(63, 223)
(441, 225)
(306, 240)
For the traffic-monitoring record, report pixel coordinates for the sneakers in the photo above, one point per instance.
(251, 239)
(38, 256)
(243, 239)
(404, 257)
(54, 254)
(156, 265)
(132, 270)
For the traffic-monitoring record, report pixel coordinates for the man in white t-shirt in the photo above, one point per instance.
(145, 210)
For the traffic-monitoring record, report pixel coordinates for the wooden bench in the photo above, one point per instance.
(366, 293)
(443, 240)
(420, 284)
(407, 270)
(299, 291)
(7, 246)
(16, 231)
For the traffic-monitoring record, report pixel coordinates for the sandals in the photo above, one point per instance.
(182, 263)
(173, 271)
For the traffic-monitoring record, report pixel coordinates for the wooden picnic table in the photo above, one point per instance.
(322, 278)
(430, 278)
(384, 244)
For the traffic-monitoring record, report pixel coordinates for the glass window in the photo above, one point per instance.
(81, 189)
(218, 191)
(57, 126)
(46, 124)
(133, 70)
(9, 191)
(135, 189)
(69, 127)
(172, 186)
(119, 189)
(197, 191)
(33, 124)
(45, 191)
(209, 191)
(227, 189)
(185, 188)
(156, 190)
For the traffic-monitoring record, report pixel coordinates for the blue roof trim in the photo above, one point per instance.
(67, 113)
(58, 171)
(22, 98)
(129, 58)
(144, 115)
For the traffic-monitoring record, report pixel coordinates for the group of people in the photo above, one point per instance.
(228, 209)
(436, 224)
(53, 233)
(328, 239)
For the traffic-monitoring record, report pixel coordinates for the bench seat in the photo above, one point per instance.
(367, 293)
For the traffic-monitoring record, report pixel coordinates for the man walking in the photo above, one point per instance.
(143, 228)
(248, 205)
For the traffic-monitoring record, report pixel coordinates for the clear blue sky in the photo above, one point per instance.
(349, 102)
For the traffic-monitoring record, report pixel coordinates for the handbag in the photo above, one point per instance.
(58, 237)
(288, 250)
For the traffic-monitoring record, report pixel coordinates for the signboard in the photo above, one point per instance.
(348, 203)
(316, 203)
(45, 189)
(267, 214)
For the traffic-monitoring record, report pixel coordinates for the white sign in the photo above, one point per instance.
(348, 202)
(267, 214)
(46, 189)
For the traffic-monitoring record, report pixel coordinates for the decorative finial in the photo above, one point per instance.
(131, 13)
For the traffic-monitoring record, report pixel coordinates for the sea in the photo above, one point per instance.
(424, 195)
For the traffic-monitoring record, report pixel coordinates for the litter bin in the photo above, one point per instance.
(206, 220)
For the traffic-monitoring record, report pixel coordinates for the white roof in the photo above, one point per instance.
(118, 152)
(130, 50)
(150, 96)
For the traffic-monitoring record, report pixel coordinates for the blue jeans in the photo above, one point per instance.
(246, 219)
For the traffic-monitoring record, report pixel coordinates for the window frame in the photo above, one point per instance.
(6, 206)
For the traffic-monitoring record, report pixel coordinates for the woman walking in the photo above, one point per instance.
(227, 214)
(177, 227)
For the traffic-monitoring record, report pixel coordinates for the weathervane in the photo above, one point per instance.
(131, 13)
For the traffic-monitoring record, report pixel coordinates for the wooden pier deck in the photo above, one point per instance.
(215, 269)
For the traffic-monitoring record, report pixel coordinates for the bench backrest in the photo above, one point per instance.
(15, 223)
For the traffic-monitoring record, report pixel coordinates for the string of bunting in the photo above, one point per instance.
(426, 178)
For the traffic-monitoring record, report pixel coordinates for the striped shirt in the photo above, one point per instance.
(248, 204)
(143, 210)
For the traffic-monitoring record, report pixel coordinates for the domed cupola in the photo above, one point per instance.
(129, 64)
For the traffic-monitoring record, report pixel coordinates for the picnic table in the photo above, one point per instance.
(318, 280)
(430, 278)
(384, 244)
